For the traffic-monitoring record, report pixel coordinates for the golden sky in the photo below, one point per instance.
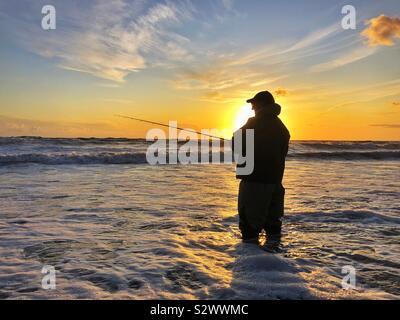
(197, 62)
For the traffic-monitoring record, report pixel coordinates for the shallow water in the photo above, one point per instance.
(140, 231)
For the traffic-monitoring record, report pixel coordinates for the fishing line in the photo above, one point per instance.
(168, 126)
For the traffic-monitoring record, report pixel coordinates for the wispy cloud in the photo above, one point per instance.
(220, 82)
(12, 126)
(112, 85)
(224, 10)
(330, 96)
(111, 38)
(284, 52)
(382, 30)
(229, 76)
(119, 100)
(228, 4)
(315, 37)
(354, 55)
(386, 125)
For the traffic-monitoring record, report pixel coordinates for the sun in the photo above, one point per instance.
(242, 115)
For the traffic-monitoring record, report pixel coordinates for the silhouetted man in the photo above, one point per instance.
(261, 194)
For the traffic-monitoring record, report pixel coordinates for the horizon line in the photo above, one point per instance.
(141, 138)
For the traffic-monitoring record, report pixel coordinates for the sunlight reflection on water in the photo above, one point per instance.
(171, 232)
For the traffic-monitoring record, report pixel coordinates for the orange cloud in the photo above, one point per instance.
(385, 125)
(396, 103)
(382, 30)
(280, 92)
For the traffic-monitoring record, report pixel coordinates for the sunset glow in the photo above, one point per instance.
(133, 167)
(196, 62)
(243, 114)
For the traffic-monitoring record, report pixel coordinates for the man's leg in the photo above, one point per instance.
(275, 213)
(249, 234)
(254, 201)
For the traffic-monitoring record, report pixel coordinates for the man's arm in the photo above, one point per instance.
(248, 125)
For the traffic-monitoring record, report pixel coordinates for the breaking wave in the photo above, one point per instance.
(102, 158)
(140, 158)
(57, 151)
(348, 155)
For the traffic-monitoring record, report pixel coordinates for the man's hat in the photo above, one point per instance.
(263, 97)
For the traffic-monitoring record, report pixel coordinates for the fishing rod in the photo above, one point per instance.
(168, 126)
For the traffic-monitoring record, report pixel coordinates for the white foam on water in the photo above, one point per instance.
(143, 232)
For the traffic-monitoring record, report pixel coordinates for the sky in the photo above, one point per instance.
(197, 62)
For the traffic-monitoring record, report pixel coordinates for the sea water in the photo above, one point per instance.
(113, 226)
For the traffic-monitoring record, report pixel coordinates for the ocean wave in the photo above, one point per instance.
(140, 157)
(344, 216)
(349, 145)
(31, 140)
(57, 159)
(347, 155)
(89, 158)
(313, 145)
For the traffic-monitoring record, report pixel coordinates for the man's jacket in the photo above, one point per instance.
(271, 143)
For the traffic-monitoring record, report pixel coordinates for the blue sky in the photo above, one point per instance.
(197, 62)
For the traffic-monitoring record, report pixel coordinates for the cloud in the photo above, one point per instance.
(10, 126)
(119, 100)
(237, 74)
(214, 96)
(345, 59)
(280, 92)
(387, 126)
(330, 98)
(382, 30)
(315, 37)
(218, 81)
(290, 52)
(395, 103)
(228, 4)
(108, 39)
(224, 11)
